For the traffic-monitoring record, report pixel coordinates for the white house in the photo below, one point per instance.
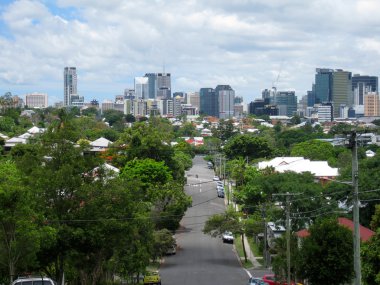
(100, 144)
(320, 169)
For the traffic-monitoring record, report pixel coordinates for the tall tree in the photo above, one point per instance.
(230, 221)
(370, 253)
(327, 254)
(247, 146)
(19, 232)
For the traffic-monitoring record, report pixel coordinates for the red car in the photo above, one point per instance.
(270, 279)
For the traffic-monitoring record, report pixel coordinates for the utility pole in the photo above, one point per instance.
(355, 184)
(287, 194)
(288, 236)
(266, 261)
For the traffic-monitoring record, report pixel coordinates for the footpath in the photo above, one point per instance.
(250, 255)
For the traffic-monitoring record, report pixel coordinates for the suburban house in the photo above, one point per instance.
(320, 169)
(365, 233)
(23, 138)
(274, 231)
(101, 144)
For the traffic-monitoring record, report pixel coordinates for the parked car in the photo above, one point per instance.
(216, 178)
(209, 165)
(228, 237)
(172, 250)
(36, 280)
(256, 281)
(220, 193)
(152, 278)
(271, 280)
(219, 183)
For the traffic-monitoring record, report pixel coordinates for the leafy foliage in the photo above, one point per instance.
(247, 146)
(327, 254)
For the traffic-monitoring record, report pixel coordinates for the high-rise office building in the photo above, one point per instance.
(69, 84)
(323, 85)
(209, 103)
(159, 85)
(361, 85)
(141, 88)
(226, 98)
(286, 102)
(342, 95)
(193, 99)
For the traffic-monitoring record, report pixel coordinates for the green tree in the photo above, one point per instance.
(19, 233)
(230, 221)
(129, 118)
(279, 263)
(113, 116)
(149, 173)
(224, 130)
(57, 179)
(187, 130)
(314, 150)
(327, 254)
(247, 146)
(163, 241)
(370, 253)
(90, 112)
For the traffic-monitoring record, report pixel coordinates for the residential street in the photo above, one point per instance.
(200, 259)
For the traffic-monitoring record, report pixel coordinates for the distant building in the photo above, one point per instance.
(226, 99)
(107, 105)
(209, 102)
(141, 88)
(69, 84)
(371, 104)
(342, 90)
(36, 100)
(159, 85)
(325, 112)
(286, 102)
(76, 100)
(323, 86)
(361, 85)
(193, 99)
(261, 107)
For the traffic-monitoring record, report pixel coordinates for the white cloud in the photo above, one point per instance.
(203, 43)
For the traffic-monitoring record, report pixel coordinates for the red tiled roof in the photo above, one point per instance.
(365, 233)
(303, 233)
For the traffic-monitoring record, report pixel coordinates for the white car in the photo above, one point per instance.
(33, 281)
(228, 237)
(216, 178)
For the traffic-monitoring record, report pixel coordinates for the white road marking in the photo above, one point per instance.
(249, 273)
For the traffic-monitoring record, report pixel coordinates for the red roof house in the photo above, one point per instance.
(365, 233)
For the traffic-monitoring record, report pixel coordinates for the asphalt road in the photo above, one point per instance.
(201, 259)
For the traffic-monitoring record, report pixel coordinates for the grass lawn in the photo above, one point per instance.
(239, 249)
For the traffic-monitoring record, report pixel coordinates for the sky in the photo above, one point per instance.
(248, 44)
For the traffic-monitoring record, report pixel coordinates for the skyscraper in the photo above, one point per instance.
(286, 102)
(323, 85)
(141, 88)
(226, 98)
(361, 85)
(69, 84)
(209, 104)
(159, 85)
(342, 90)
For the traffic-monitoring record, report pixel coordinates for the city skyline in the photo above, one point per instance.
(245, 44)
